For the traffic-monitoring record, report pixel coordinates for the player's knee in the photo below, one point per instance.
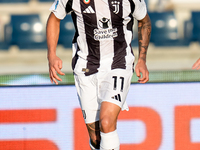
(107, 124)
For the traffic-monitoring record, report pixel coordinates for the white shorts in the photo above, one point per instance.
(111, 86)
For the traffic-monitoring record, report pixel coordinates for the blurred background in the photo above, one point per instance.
(164, 113)
(174, 46)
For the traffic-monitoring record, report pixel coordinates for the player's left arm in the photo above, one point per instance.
(144, 33)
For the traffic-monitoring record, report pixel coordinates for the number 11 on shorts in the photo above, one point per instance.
(115, 83)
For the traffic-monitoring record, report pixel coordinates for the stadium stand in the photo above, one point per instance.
(165, 29)
(67, 31)
(6, 42)
(27, 31)
(4, 46)
(196, 25)
(192, 27)
(13, 60)
(14, 1)
(134, 42)
(188, 26)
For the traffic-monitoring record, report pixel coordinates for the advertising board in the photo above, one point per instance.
(161, 116)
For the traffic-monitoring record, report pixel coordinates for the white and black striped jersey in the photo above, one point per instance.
(103, 32)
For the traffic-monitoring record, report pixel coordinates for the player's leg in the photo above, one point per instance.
(108, 122)
(114, 87)
(87, 93)
(108, 116)
(94, 133)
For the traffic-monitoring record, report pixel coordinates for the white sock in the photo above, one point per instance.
(109, 141)
(92, 147)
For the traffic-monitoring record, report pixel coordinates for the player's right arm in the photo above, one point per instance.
(52, 34)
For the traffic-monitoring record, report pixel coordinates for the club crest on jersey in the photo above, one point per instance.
(86, 1)
(115, 4)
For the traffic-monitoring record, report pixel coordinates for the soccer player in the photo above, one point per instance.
(196, 65)
(102, 60)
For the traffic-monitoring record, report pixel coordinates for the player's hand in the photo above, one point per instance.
(142, 68)
(196, 65)
(55, 66)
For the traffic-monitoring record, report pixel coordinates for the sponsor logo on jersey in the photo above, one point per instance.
(115, 4)
(86, 1)
(105, 30)
(104, 23)
(104, 34)
(89, 10)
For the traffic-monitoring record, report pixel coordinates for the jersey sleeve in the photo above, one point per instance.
(140, 9)
(58, 8)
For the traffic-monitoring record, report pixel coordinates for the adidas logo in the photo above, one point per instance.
(117, 97)
(89, 10)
